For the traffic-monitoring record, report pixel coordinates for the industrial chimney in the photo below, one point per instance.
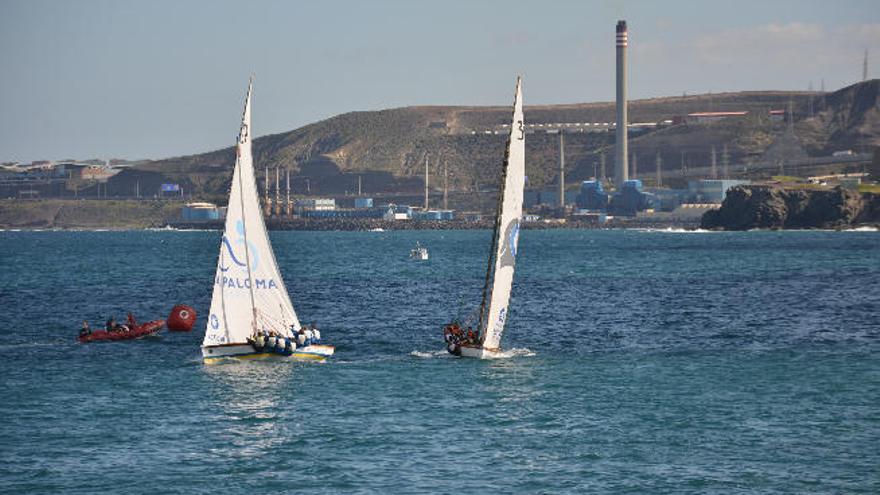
(620, 165)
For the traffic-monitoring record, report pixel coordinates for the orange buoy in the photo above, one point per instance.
(182, 318)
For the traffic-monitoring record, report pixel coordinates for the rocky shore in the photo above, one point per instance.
(772, 207)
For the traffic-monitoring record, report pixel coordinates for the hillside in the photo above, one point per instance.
(387, 148)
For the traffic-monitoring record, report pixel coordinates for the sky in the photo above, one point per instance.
(155, 78)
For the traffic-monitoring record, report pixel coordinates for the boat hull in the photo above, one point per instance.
(138, 332)
(215, 353)
(480, 353)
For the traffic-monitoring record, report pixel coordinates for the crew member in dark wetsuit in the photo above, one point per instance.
(471, 336)
(85, 329)
(452, 334)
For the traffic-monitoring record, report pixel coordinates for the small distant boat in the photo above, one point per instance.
(133, 333)
(251, 313)
(502, 253)
(419, 252)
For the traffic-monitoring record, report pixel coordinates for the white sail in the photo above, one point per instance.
(507, 227)
(249, 293)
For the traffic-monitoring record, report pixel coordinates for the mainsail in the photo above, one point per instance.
(249, 293)
(506, 235)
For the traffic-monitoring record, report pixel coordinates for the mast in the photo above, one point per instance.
(445, 184)
(499, 205)
(490, 266)
(244, 137)
(277, 192)
(562, 171)
(287, 212)
(268, 205)
(426, 182)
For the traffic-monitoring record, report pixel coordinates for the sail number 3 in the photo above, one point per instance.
(522, 132)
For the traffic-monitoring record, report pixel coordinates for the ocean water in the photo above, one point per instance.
(642, 362)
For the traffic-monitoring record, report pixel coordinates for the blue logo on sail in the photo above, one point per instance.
(513, 240)
(251, 250)
(250, 254)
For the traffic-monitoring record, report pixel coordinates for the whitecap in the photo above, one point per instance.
(428, 354)
(515, 352)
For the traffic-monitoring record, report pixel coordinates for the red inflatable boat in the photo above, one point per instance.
(137, 332)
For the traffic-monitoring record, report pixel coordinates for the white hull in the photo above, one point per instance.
(480, 353)
(317, 352)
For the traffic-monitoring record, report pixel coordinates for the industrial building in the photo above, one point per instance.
(533, 198)
(631, 199)
(434, 215)
(592, 196)
(361, 203)
(202, 212)
(711, 190)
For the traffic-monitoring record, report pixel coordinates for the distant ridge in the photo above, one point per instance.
(387, 148)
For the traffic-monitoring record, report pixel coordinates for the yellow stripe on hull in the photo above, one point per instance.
(310, 357)
(258, 355)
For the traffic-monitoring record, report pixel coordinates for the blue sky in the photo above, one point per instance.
(152, 79)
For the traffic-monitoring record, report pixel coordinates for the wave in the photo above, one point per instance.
(429, 354)
(864, 228)
(515, 352)
(510, 353)
(676, 230)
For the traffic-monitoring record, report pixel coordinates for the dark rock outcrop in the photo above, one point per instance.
(770, 207)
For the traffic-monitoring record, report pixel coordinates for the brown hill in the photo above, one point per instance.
(387, 148)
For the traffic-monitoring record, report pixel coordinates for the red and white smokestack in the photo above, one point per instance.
(621, 33)
(620, 160)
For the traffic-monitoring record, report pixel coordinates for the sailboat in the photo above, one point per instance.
(251, 313)
(418, 253)
(486, 342)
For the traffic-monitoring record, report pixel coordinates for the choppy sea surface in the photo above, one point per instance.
(643, 362)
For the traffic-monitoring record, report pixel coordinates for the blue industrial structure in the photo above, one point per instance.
(592, 196)
(631, 199)
(534, 197)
